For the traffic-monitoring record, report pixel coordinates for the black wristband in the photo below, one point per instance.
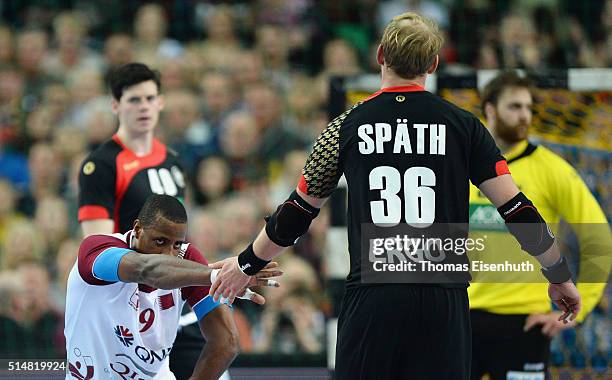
(249, 263)
(558, 273)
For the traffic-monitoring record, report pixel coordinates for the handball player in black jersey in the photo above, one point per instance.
(116, 178)
(408, 157)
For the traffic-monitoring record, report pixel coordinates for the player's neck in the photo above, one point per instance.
(141, 144)
(391, 79)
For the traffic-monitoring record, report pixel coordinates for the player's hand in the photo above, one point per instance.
(232, 282)
(567, 299)
(551, 324)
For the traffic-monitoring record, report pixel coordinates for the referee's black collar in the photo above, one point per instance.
(529, 149)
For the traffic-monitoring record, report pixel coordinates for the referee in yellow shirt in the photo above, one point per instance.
(511, 315)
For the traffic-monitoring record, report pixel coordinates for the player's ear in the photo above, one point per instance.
(380, 57)
(161, 101)
(137, 229)
(114, 106)
(434, 65)
(489, 111)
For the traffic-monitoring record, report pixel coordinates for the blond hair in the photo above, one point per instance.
(410, 44)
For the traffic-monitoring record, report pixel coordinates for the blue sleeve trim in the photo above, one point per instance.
(205, 306)
(106, 265)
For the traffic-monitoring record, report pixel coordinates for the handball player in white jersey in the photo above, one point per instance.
(125, 295)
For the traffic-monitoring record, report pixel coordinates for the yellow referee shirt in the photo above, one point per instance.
(558, 192)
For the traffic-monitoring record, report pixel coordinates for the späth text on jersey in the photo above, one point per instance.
(384, 137)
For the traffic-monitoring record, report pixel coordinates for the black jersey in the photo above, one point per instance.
(408, 157)
(114, 183)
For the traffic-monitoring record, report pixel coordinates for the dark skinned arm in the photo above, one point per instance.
(219, 329)
(169, 272)
(162, 271)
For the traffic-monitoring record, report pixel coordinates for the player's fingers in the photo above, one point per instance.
(216, 265)
(547, 328)
(576, 307)
(270, 283)
(269, 273)
(213, 289)
(219, 292)
(258, 299)
(271, 265)
(231, 298)
(531, 321)
(565, 317)
(227, 292)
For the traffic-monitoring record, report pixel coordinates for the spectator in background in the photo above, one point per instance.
(181, 116)
(278, 136)
(99, 124)
(68, 143)
(39, 126)
(213, 181)
(46, 177)
(71, 52)
(14, 168)
(248, 69)
(151, 42)
(519, 47)
(118, 51)
(12, 110)
(221, 41)
(64, 260)
(291, 321)
(306, 111)
(22, 243)
(8, 211)
(85, 87)
(204, 231)
(271, 41)
(7, 45)
(220, 96)
(339, 59)
(31, 53)
(240, 144)
(14, 306)
(173, 74)
(45, 325)
(51, 220)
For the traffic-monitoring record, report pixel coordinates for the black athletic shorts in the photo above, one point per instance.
(403, 331)
(501, 348)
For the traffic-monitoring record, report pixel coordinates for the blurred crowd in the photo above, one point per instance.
(246, 87)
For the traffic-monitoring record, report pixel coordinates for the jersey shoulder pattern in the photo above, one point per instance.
(321, 172)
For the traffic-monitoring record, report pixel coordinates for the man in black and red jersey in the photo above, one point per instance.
(408, 157)
(116, 179)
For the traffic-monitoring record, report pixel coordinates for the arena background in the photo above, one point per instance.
(290, 66)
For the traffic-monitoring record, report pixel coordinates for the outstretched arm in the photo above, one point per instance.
(290, 221)
(101, 262)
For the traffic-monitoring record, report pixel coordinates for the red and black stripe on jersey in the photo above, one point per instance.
(382, 171)
(114, 183)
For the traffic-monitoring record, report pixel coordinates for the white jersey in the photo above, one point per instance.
(118, 330)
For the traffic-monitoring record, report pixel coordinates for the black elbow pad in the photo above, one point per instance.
(290, 221)
(527, 225)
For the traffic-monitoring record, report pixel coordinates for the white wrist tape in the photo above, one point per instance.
(213, 275)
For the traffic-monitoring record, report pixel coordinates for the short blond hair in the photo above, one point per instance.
(410, 44)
